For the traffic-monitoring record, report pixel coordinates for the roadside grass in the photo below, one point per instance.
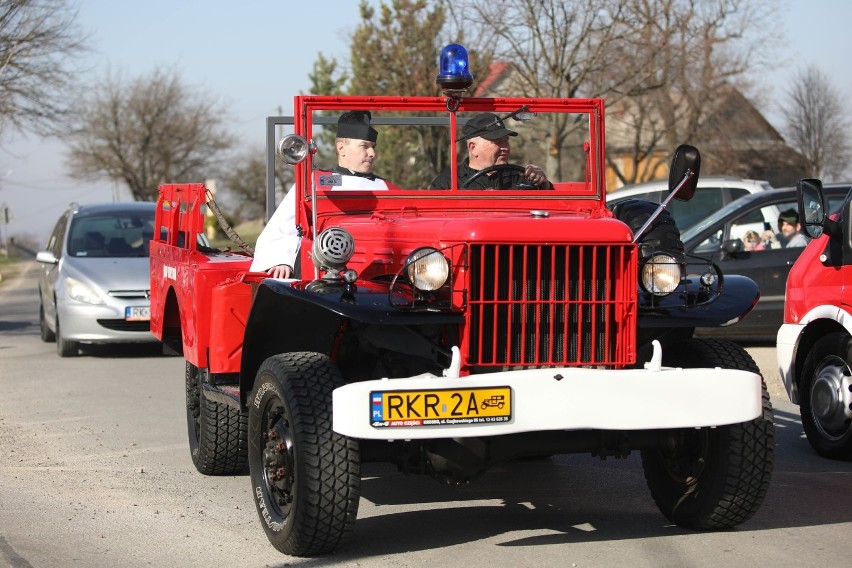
(9, 267)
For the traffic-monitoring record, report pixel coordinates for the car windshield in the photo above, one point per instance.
(116, 235)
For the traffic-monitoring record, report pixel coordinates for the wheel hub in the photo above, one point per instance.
(831, 398)
(278, 462)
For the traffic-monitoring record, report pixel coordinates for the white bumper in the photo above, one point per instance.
(571, 399)
(785, 351)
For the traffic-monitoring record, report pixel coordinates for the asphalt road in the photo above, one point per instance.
(95, 471)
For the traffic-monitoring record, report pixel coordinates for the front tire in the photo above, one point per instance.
(65, 347)
(712, 478)
(305, 477)
(826, 396)
(44, 330)
(218, 433)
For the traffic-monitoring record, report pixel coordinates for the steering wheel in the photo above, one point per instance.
(504, 173)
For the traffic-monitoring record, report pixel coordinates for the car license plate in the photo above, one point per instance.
(440, 407)
(137, 313)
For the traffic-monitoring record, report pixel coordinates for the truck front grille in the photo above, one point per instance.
(551, 305)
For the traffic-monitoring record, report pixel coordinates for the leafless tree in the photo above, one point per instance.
(245, 184)
(659, 63)
(147, 131)
(699, 53)
(818, 123)
(40, 42)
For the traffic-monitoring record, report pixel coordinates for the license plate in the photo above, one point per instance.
(440, 407)
(137, 313)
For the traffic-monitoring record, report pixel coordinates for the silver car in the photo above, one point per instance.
(95, 281)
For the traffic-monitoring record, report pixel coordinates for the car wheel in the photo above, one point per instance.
(46, 334)
(65, 347)
(826, 396)
(712, 478)
(218, 433)
(305, 477)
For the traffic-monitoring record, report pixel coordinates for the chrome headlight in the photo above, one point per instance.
(427, 269)
(81, 292)
(660, 274)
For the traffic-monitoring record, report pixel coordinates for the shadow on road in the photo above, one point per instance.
(576, 498)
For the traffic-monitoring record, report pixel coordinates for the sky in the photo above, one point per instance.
(255, 55)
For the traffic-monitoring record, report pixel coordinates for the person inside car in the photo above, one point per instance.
(278, 244)
(487, 141)
(752, 241)
(789, 232)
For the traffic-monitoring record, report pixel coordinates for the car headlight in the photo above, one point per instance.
(660, 274)
(81, 292)
(427, 269)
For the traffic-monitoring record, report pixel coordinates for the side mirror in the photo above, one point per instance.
(812, 213)
(46, 257)
(683, 176)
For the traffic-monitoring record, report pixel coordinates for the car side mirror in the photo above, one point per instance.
(46, 257)
(812, 213)
(683, 175)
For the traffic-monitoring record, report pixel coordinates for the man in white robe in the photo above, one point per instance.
(278, 244)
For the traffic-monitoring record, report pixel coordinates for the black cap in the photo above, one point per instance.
(789, 216)
(487, 125)
(356, 124)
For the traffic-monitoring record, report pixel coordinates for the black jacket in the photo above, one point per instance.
(442, 180)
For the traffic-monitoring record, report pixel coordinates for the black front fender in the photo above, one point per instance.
(735, 300)
(290, 316)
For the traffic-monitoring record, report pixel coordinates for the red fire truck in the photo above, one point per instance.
(415, 308)
(814, 345)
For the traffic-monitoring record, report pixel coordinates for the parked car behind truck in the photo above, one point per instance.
(418, 311)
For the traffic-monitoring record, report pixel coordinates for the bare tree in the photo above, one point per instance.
(659, 63)
(245, 184)
(818, 123)
(148, 131)
(700, 52)
(39, 44)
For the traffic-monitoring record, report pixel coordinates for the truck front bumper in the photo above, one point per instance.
(561, 399)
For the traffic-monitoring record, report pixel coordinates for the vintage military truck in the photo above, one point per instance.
(447, 331)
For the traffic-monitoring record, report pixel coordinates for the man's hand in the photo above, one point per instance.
(535, 174)
(280, 271)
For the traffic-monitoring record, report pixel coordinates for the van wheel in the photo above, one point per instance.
(826, 396)
(65, 347)
(305, 477)
(218, 433)
(712, 478)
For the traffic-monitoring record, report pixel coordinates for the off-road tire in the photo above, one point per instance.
(305, 477)
(65, 347)
(218, 433)
(663, 233)
(712, 478)
(825, 423)
(44, 331)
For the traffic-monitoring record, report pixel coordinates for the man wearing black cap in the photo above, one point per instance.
(278, 244)
(789, 232)
(488, 145)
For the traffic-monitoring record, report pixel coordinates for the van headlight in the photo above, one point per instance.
(660, 274)
(427, 269)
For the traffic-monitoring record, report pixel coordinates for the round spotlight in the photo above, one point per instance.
(293, 148)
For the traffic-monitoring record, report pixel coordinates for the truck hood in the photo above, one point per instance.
(503, 226)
